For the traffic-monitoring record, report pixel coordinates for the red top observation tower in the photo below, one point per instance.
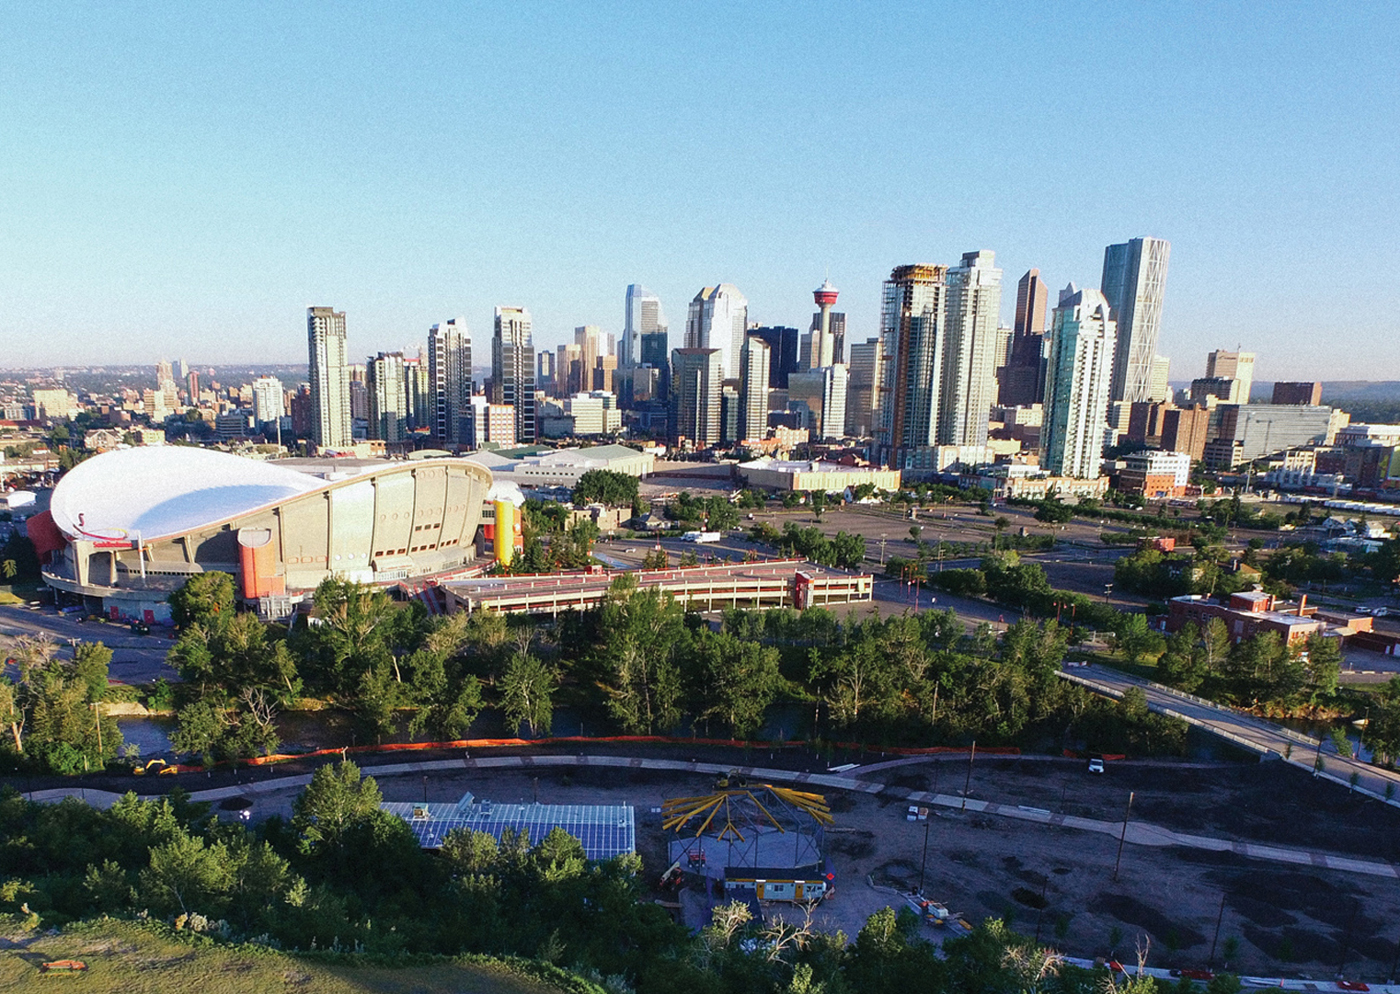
(823, 345)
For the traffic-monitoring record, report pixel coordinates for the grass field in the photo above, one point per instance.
(126, 958)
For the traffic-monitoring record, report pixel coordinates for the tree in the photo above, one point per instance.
(185, 873)
(527, 693)
(734, 681)
(205, 599)
(336, 801)
(635, 658)
(1134, 639)
(90, 663)
(200, 730)
(1001, 524)
(605, 486)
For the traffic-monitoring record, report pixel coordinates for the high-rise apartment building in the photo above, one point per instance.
(1080, 363)
(861, 388)
(422, 411)
(753, 388)
(1237, 366)
(697, 376)
(1021, 379)
(267, 399)
(388, 397)
(911, 360)
(450, 382)
(644, 316)
(969, 359)
(513, 368)
(1134, 283)
(718, 319)
(330, 377)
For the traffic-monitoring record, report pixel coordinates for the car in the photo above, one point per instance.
(1381, 612)
(140, 628)
(1095, 764)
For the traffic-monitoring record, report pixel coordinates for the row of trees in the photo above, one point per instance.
(50, 711)
(343, 873)
(842, 550)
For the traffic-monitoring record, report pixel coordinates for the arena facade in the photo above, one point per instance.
(127, 527)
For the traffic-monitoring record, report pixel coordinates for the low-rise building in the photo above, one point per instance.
(1246, 614)
(783, 475)
(1155, 474)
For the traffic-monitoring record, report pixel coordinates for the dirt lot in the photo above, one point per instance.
(1285, 920)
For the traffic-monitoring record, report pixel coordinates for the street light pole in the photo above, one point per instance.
(923, 865)
(967, 787)
(1124, 837)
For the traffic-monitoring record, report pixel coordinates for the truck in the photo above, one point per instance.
(701, 537)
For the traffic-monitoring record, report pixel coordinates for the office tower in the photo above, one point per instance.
(183, 369)
(696, 381)
(1005, 334)
(1021, 380)
(1078, 380)
(1297, 393)
(192, 386)
(388, 397)
(644, 316)
(422, 407)
(450, 383)
(861, 388)
(1204, 389)
(969, 358)
(589, 339)
(729, 412)
(1134, 282)
(1161, 379)
(329, 375)
(1237, 366)
(782, 353)
(911, 360)
(544, 372)
(718, 319)
(165, 376)
(1185, 429)
(568, 371)
(513, 368)
(822, 394)
(267, 399)
(823, 348)
(656, 353)
(603, 372)
(753, 388)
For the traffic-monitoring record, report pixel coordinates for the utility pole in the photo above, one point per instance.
(1124, 837)
(1218, 921)
(923, 865)
(967, 787)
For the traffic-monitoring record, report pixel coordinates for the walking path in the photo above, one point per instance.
(1138, 833)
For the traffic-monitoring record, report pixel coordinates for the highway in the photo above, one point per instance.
(1246, 730)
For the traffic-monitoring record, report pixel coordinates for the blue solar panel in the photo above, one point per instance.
(605, 830)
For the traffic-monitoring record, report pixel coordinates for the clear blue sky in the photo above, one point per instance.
(184, 179)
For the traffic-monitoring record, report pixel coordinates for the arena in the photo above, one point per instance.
(127, 527)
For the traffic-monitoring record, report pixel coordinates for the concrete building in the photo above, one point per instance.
(718, 319)
(969, 358)
(754, 370)
(1019, 481)
(1298, 393)
(861, 389)
(450, 384)
(1134, 284)
(564, 467)
(513, 368)
(1161, 379)
(127, 528)
(1186, 429)
(54, 405)
(643, 316)
(1248, 431)
(268, 397)
(911, 358)
(329, 373)
(593, 413)
(388, 398)
(697, 377)
(1155, 474)
(828, 477)
(1237, 366)
(1081, 349)
(1222, 389)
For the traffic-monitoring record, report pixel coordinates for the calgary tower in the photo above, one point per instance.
(823, 345)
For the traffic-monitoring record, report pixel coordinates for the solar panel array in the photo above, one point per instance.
(606, 830)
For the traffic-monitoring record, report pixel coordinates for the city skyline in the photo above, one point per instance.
(152, 186)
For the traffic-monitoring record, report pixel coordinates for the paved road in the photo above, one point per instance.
(135, 658)
(1244, 729)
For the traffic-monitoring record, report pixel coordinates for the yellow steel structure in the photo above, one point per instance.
(731, 807)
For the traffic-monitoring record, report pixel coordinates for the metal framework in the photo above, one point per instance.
(755, 826)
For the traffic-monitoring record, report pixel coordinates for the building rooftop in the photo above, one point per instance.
(606, 830)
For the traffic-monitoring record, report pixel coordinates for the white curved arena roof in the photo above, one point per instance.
(163, 490)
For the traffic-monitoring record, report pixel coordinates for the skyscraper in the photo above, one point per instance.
(696, 379)
(782, 354)
(861, 388)
(544, 371)
(822, 392)
(1022, 378)
(969, 359)
(589, 339)
(1081, 349)
(388, 397)
(911, 360)
(267, 399)
(1237, 366)
(330, 377)
(422, 407)
(1134, 282)
(753, 388)
(718, 319)
(513, 368)
(450, 382)
(644, 316)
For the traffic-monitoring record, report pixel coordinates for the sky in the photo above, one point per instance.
(183, 180)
